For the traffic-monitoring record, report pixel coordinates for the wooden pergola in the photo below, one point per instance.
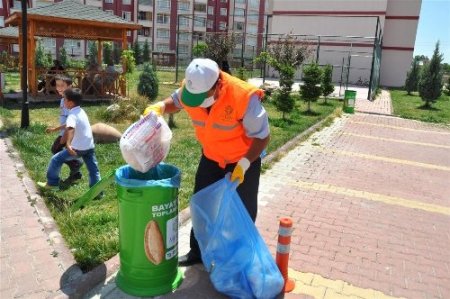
(68, 19)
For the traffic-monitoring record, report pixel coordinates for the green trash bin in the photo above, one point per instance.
(148, 230)
(349, 101)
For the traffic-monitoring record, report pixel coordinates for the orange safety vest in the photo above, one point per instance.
(221, 132)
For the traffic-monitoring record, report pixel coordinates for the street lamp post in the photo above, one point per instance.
(25, 118)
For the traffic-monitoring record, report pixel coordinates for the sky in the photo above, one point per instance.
(434, 25)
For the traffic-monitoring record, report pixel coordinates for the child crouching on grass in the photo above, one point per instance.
(80, 143)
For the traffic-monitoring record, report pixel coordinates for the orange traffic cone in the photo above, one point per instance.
(283, 248)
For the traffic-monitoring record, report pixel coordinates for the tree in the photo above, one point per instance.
(285, 56)
(412, 78)
(430, 82)
(199, 49)
(447, 87)
(327, 84)
(310, 91)
(148, 83)
(219, 45)
(48, 59)
(63, 56)
(107, 54)
(116, 54)
(40, 58)
(146, 52)
(128, 63)
(137, 53)
(92, 52)
(446, 68)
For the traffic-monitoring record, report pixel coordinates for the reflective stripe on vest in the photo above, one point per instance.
(224, 128)
(198, 123)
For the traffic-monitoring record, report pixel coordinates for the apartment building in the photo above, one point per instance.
(349, 31)
(190, 21)
(164, 21)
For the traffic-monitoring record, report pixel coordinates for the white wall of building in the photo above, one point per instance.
(398, 20)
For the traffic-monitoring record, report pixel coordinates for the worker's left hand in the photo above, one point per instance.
(157, 108)
(239, 170)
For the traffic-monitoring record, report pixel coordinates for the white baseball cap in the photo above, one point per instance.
(201, 75)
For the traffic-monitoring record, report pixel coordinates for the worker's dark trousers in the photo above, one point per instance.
(209, 172)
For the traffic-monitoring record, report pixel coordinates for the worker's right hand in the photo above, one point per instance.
(157, 108)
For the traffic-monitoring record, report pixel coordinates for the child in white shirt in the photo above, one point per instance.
(80, 142)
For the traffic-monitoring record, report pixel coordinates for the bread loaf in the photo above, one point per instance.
(153, 243)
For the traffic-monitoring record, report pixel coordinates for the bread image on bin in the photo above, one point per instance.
(154, 243)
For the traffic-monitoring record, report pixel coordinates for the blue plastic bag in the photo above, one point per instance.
(233, 252)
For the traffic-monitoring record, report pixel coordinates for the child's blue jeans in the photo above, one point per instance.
(88, 156)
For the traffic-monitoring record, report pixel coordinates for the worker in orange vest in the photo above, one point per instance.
(230, 124)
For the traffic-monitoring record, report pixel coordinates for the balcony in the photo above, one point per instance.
(145, 23)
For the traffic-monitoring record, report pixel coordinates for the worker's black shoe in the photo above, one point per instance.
(189, 259)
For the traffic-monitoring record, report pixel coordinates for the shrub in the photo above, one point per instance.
(148, 83)
(412, 78)
(146, 52)
(124, 109)
(430, 82)
(241, 74)
(447, 87)
(310, 91)
(327, 85)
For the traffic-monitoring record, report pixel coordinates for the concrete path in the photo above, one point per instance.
(32, 255)
(370, 202)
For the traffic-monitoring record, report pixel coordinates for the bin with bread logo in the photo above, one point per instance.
(148, 230)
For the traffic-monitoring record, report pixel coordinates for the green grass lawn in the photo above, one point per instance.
(92, 233)
(412, 106)
(12, 81)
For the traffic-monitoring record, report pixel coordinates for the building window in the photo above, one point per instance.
(162, 47)
(184, 22)
(253, 4)
(162, 18)
(252, 29)
(222, 25)
(210, 10)
(145, 2)
(253, 17)
(162, 33)
(198, 36)
(225, 1)
(2, 21)
(183, 36)
(49, 42)
(184, 6)
(128, 32)
(126, 15)
(239, 26)
(240, 12)
(223, 11)
(251, 40)
(145, 16)
(109, 1)
(240, 1)
(210, 24)
(126, 2)
(200, 22)
(163, 4)
(200, 7)
(183, 49)
(110, 11)
(145, 31)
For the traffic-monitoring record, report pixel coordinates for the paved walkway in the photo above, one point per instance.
(368, 195)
